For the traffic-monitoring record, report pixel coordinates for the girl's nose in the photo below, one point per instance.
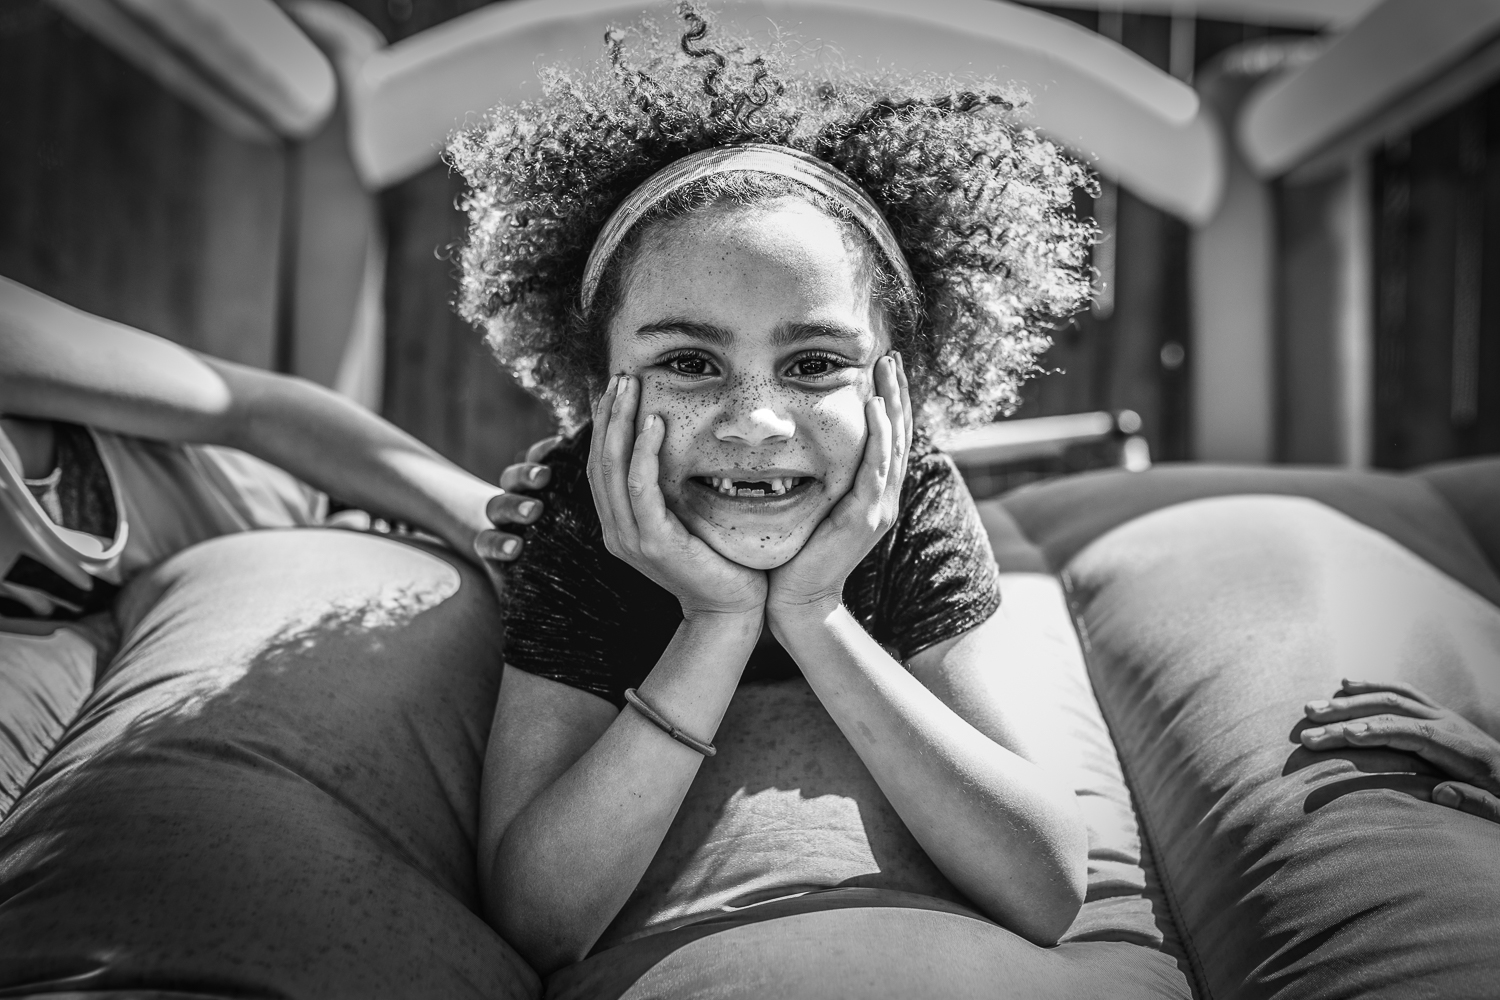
(755, 425)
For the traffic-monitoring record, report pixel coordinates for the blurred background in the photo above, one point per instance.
(1300, 210)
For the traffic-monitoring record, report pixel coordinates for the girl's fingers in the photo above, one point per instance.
(889, 386)
(604, 470)
(1362, 705)
(1467, 798)
(619, 442)
(899, 411)
(1366, 687)
(600, 426)
(875, 468)
(905, 388)
(646, 501)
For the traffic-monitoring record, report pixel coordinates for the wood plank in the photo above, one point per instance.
(119, 199)
(440, 383)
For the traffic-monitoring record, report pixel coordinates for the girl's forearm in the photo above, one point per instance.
(571, 858)
(988, 818)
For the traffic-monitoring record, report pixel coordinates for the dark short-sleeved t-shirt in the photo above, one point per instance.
(578, 615)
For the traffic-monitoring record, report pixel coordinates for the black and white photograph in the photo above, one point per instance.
(750, 499)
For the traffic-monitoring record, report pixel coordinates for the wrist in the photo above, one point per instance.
(731, 620)
(787, 617)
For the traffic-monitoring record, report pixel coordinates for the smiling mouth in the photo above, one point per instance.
(777, 486)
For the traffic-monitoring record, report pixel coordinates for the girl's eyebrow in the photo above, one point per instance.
(787, 334)
(716, 335)
(784, 335)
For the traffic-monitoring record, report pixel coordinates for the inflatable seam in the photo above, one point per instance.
(1199, 982)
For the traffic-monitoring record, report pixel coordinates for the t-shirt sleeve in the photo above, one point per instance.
(574, 613)
(938, 579)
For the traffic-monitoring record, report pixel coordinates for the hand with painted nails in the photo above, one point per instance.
(512, 506)
(624, 471)
(1395, 715)
(814, 579)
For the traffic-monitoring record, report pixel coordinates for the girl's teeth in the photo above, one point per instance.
(779, 486)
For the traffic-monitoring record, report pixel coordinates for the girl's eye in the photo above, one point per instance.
(816, 366)
(694, 365)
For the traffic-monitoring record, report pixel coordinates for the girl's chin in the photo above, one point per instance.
(753, 552)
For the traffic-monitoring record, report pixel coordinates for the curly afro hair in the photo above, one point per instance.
(981, 206)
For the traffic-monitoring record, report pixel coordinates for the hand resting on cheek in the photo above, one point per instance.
(638, 528)
(813, 581)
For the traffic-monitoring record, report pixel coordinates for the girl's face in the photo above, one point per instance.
(754, 334)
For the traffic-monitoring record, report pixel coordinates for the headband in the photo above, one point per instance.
(809, 171)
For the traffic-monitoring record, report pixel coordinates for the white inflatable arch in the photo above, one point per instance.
(1135, 123)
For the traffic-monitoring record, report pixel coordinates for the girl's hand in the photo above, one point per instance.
(1399, 716)
(638, 528)
(813, 581)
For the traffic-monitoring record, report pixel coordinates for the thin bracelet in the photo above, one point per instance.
(706, 749)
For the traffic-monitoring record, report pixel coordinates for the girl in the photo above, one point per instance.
(764, 293)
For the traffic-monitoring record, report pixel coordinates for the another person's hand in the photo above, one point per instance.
(638, 528)
(512, 506)
(1391, 714)
(814, 578)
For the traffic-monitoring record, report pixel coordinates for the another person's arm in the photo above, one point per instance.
(59, 363)
(1391, 714)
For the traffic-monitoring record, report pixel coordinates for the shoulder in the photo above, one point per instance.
(567, 501)
(934, 492)
(932, 577)
(565, 542)
(569, 463)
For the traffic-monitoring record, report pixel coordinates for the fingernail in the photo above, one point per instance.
(1314, 733)
(1445, 795)
(1356, 728)
(534, 474)
(525, 507)
(1317, 706)
(510, 546)
(649, 422)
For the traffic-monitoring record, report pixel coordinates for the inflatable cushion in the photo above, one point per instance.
(869, 945)
(1062, 516)
(760, 822)
(1472, 489)
(46, 672)
(272, 791)
(1295, 875)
